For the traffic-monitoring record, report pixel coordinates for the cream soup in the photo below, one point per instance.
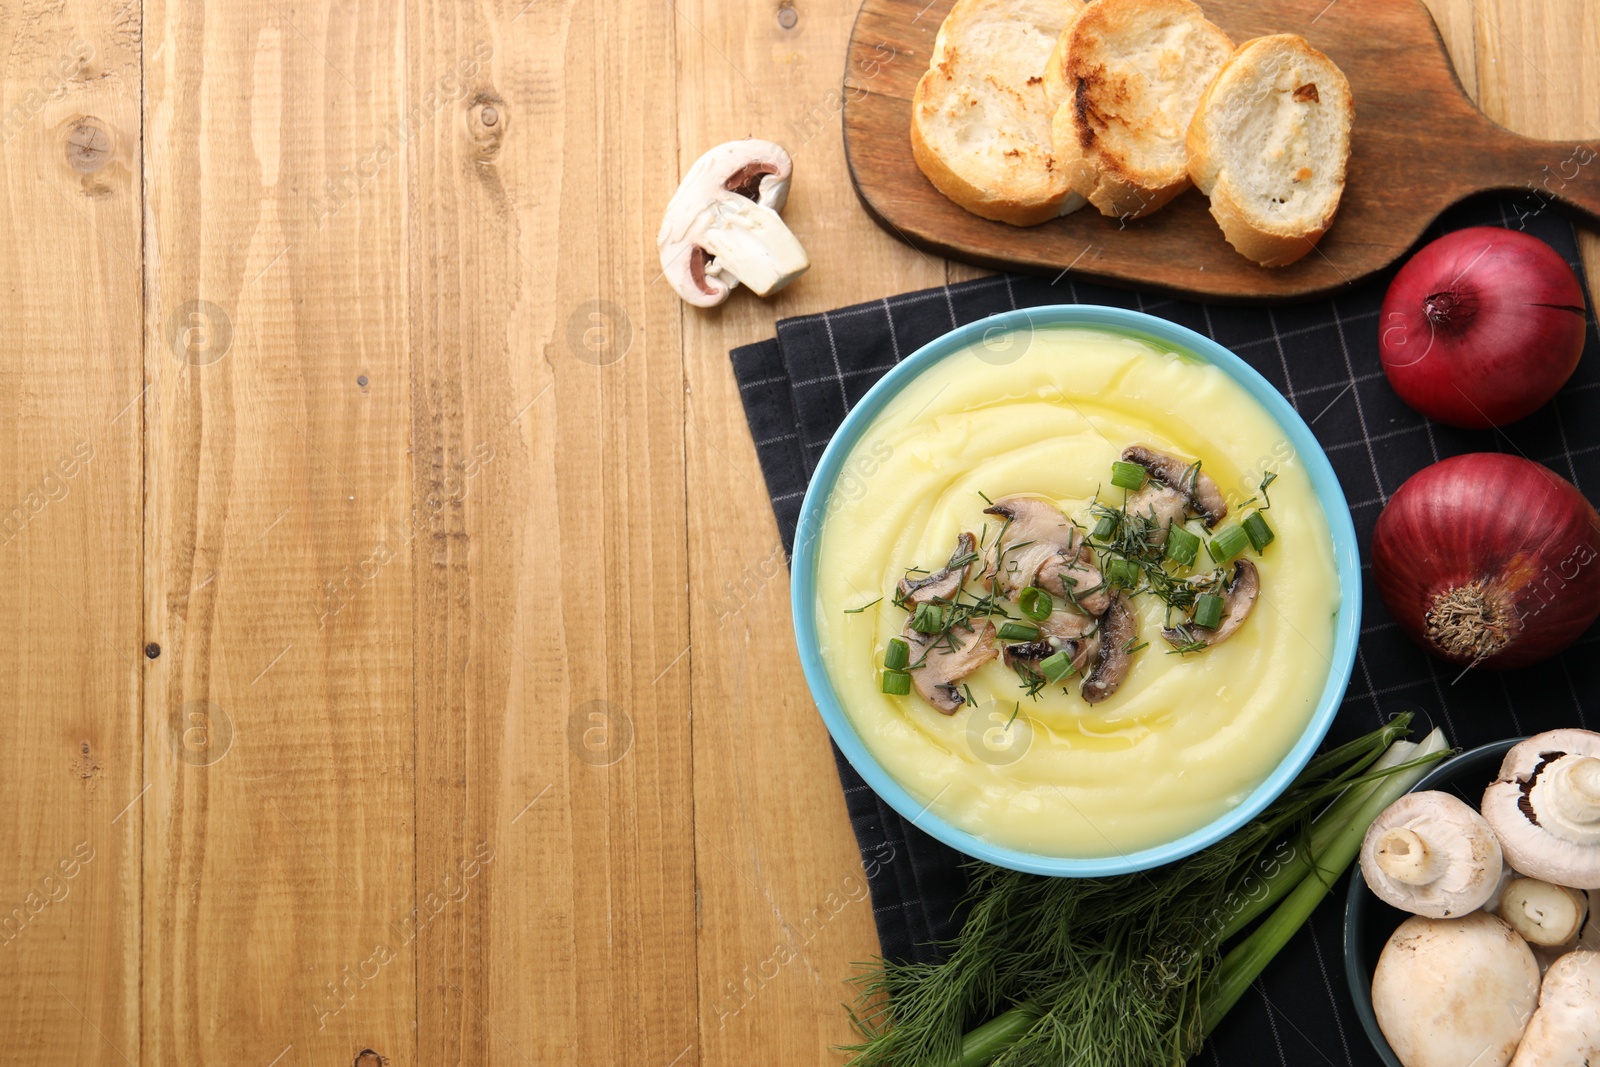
(1186, 737)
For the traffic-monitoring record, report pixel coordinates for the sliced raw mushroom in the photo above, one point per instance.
(1545, 807)
(1544, 914)
(1565, 1029)
(1119, 631)
(1198, 490)
(944, 583)
(722, 227)
(1238, 598)
(1035, 532)
(940, 661)
(1430, 854)
(1074, 581)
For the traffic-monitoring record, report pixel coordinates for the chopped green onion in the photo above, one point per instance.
(1255, 525)
(896, 683)
(1182, 546)
(1056, 667)
(929, 619)
(1016, 631)
(1229, 542)
(897, 655)
(1105, 529)
(1035, 603)
(1123, 572)
(1207, 611)
(1128, 475)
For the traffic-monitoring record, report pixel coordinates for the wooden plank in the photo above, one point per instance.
(551, 620)
(785, 915)
(278, 726)
(70, 532)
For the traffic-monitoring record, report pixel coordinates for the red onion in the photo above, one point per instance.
(1489, 559)
(1482, 327)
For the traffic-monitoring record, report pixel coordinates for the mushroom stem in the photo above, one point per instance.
(751, 245)
(1579, 801)
(1542, 913)
(1404, 856)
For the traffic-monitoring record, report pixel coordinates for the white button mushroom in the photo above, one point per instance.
(1545, 808)
(1431, 854)
(1450, 992)
(1565, 1031)
(722, 228)
(1542, 913)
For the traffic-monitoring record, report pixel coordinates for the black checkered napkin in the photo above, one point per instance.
(1323, 356)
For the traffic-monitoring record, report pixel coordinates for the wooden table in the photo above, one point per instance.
(395, 634)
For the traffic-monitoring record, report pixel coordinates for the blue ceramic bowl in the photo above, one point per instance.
(1368, 921)
(1165, 335)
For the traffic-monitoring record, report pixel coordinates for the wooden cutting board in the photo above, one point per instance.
(1419, 145)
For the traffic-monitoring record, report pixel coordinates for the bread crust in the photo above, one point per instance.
(1092, 99)
(1025, 192)
(980, 201)
(1252, 235)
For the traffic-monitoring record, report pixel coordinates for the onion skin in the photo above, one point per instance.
(1489, 560)
(1482, 327)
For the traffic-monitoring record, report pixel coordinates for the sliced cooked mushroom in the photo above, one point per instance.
(1035, 532)
(1119, 630)
(944, 583)
(722, 227)
(1187, 478)
(1160, 506)
(1083, 649)
(1545, 807)
(943, 666)
(1069, 577)
(1239, 596)
(1068, 625)
(1430, 854)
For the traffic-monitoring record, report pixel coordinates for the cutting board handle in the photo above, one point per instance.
(1545, 172)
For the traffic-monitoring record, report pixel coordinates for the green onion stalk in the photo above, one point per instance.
(1134, 970)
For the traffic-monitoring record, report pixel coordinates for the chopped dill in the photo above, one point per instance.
(864, 607)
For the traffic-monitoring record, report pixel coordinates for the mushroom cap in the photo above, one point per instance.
(1459, 870)
(1565, 1031)
(756, 169)
(1544, 811)
(1449, 992)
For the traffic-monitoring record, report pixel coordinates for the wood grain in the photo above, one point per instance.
(278, 745)
(1418, 146)
(551, 624)
(784, 915)
(70, 670)
(461, 529)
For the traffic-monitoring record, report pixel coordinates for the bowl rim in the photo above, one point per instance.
(1163, 333)
(1359, 898)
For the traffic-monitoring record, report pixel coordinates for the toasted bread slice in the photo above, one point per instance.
(1135, 70)
(980, 122)
(1269, 143)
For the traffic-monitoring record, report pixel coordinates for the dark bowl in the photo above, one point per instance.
(1368, 921)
